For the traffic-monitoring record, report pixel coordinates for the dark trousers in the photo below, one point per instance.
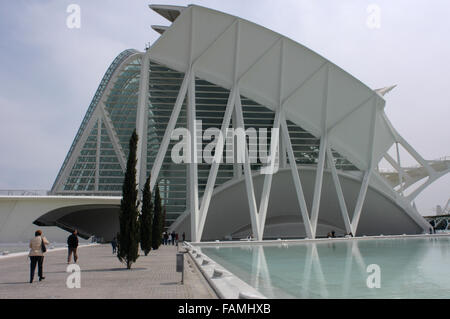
(39, 260)
(72, 250)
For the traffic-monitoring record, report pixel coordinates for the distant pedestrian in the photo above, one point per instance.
(173, 238)
(36, 255)
(176, 238)
(72, 244)
(184, 236)
(166, 238)
(170, 239)
(114, 245)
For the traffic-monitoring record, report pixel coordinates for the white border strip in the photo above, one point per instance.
(225, 284)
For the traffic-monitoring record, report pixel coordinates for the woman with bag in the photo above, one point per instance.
(37, 250)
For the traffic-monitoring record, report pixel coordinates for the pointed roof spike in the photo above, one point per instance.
(385, 90)
(169, 12)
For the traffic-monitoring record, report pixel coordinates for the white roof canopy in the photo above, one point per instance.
(278, 72)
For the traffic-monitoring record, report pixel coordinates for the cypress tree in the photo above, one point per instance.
(157, 220)
(128, 237)
(146, 218)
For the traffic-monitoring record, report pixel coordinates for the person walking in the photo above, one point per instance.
(114, 245)
(173, 238)
(170, 239)
(166, 238)
(184, 236)
(36, 255)
(72, 243)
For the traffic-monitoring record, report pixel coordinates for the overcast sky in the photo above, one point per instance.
(49, 73)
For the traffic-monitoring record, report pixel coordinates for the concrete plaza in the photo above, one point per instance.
(104, 276)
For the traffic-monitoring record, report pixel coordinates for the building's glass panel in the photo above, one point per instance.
(97, 169)
(121, 103)
(82, 175)
(98, 95)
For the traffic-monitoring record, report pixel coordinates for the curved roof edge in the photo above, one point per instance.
(121, 57)
(274, 70)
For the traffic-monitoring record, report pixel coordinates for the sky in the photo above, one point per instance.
(50, 72)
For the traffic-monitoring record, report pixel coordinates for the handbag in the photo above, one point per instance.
(43, 248)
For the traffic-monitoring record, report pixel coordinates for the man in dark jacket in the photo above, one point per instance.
(72, 243)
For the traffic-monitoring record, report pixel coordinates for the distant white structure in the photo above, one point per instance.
(443, 211)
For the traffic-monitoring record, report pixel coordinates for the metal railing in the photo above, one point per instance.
(23, 192)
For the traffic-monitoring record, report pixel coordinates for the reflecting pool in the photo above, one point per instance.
(366, 268)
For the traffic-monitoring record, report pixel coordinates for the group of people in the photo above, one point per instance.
(38, 248)
(332, 234)
(172, 238)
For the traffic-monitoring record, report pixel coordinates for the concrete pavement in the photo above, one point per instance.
(103, 276)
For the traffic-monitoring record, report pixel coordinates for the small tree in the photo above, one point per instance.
(157, 220)
(128, 237)
(146, 218)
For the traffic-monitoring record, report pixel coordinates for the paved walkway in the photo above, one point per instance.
(104, 276)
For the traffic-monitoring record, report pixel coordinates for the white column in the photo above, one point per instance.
(192, 165)
(368, 173)
(215, 164)
(400, 172)
(264, 202)
(170, 127)
(296, 178)
(322, 155)
(248, 173)
(141, 120)
(340, 194)
(318, 184)
(360, 201)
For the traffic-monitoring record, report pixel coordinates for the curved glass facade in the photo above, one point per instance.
(98, 167)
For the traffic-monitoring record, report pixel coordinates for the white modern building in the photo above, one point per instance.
(229, 73)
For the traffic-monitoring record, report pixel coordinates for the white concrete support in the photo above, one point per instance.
(170, 127)
(215, 165)
(340, 194)
(248, 173)
(400, 172)
(399, 139)
(229, 111)
(360, 201)
(141, 122)
(274, 145)
(296, 178)
(322, 155)
(274, 150)
(77, 149)
(237, 167)
(114, 139)
(397, 167)
(192, 197)
(368, 173)
(417, 191)
(318, 184)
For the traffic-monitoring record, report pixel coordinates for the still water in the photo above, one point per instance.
(401, 268)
